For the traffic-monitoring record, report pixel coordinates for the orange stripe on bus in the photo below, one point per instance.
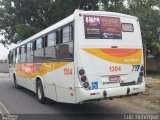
(120, 52)
(131, 57)
(30, 70)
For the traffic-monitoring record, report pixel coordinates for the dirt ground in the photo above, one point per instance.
(148, 102)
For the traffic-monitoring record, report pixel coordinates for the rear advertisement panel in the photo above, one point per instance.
(100, 27)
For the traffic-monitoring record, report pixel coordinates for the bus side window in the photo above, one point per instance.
(29, 52)
(15, 55)
(61, 36)
(23, 53)
(66, 47)
(39, 50)
(34, 45)
(19, 57)
(57, 37)
(50, 49)
(72, 32)
(13, 58)
(66, 34)
(45, 39)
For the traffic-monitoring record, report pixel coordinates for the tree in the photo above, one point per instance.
(114, 5)
(7, 21)
(88, 4)
(22, 18)
(149, 18)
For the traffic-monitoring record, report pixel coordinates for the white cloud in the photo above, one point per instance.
(4, 52)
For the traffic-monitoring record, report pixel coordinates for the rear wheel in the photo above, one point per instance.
(15, 82)
(40, 93)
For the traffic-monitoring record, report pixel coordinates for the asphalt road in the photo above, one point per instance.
(23, 101)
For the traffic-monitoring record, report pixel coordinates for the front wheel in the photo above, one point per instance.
(40, 93)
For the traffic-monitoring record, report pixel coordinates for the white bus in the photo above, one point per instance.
(88, 56)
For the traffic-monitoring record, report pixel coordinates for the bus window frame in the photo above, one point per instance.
(129, 24)
(55, 45)
(30, 50)
(71, 40)
(24, 53)
(35, 48)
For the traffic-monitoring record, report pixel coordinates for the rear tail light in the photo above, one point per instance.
(81, 72)
(141, 74)
(142, 68)
(140, 78)
(83, 79)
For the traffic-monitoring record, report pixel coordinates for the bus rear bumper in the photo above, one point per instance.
(108, 93)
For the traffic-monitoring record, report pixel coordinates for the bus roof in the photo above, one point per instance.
(106, 13)
(70, 19)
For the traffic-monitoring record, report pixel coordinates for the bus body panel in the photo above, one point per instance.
(83, 95)
(110, 64)
(95, 56)
(57, 79)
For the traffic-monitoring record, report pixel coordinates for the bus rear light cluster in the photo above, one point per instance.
(142, 68)
(141, 74)
(81, 72)
(140, 80)
(83, 79)
(86, 85)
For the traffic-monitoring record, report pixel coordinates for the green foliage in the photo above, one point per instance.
(156, 47)
(114, 5)
(149, 18)
(88, 4)
(25, 30)
(22, 18)
(7, 20)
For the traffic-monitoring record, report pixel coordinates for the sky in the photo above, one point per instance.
(1, 37)
(4, 52)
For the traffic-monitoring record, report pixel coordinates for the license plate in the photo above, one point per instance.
(114, 79)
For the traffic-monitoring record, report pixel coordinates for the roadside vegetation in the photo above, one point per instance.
(153, 89)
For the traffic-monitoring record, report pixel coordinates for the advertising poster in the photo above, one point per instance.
(92, 27)
(98, 27)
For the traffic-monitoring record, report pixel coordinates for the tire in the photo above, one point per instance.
(40, 93)
(15, 82)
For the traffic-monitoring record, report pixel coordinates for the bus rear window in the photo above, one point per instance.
(127, 27)
(100, 27)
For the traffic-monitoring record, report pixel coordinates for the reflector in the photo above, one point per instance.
(86, 84)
